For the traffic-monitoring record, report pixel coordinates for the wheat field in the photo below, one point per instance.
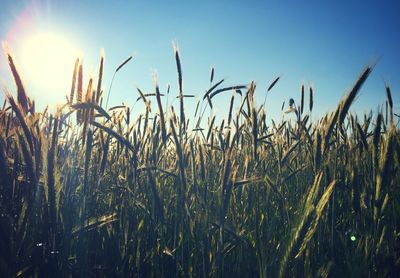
(95, 191)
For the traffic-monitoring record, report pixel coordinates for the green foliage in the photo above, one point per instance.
(110, 195)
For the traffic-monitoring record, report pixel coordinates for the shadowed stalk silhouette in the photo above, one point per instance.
(112, 79)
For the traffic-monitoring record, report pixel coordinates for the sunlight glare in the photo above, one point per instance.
(47, 60)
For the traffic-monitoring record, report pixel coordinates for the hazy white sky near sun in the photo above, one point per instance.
(324, 43)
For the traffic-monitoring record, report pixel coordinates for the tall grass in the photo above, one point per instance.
(110, 195)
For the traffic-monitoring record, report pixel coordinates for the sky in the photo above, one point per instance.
(324, 44)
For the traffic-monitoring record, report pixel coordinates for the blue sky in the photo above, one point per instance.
(324, 43)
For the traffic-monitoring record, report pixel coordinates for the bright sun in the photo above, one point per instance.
(47, 61)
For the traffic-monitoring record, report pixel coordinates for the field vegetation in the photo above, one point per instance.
(94, 191)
